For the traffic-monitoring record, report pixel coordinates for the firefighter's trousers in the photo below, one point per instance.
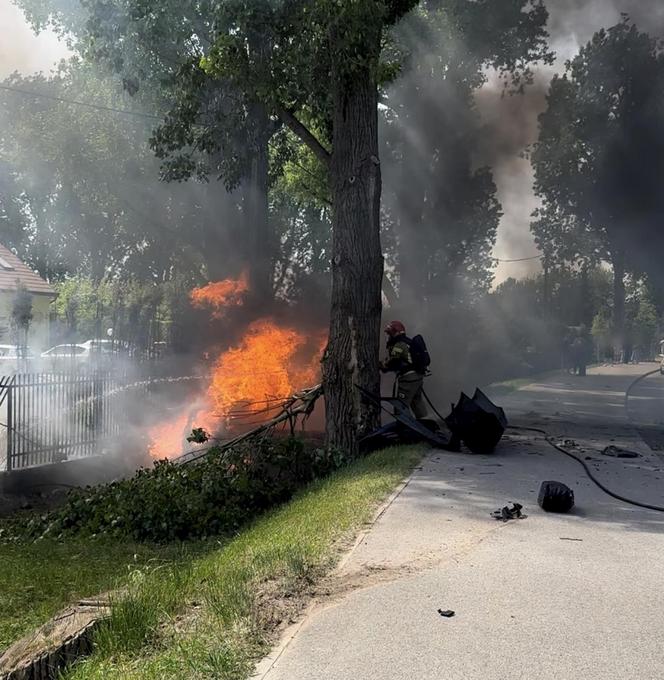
(409, 387)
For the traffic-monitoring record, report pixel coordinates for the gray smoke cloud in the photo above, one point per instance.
(511, 122)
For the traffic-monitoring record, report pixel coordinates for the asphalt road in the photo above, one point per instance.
(646, 408)
(549, 596)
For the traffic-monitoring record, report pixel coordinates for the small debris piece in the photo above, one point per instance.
(555, 497)
(506, 513)
(447, 613)
(617, 452)
(565, 538)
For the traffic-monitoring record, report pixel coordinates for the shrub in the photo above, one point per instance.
(170, 501)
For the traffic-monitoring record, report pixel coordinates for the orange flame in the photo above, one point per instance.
(221, 294)
(168, 439)
(269, 364)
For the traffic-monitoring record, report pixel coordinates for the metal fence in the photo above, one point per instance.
(51, 417)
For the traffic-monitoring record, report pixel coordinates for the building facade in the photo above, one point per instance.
(15, 275)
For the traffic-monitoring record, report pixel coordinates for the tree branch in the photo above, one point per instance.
(305, 135)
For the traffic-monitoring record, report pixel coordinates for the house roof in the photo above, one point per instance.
(13, 273)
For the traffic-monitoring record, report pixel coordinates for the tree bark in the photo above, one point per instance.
(352, 355)
(586, 302)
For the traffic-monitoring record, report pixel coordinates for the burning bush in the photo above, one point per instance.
(170, 502)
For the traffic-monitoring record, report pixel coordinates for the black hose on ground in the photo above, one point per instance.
(549, 440)
(635, 383)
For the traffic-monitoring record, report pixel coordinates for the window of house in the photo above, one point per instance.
(5, 265)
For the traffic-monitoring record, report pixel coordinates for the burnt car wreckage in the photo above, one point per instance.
(476, 421)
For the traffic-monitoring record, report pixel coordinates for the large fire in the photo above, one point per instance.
(269, 363)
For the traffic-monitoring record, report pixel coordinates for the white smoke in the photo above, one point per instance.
(23, 51)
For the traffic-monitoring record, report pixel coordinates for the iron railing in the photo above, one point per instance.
(52, 417)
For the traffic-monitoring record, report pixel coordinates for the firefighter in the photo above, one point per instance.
(409, 382)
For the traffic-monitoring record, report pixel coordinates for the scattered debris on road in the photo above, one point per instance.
(506, 513)
(555, 497)
(447, 613)
(618, 452)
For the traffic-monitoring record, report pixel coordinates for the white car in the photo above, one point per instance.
(66, 354)
(104, 346)
(11, 358)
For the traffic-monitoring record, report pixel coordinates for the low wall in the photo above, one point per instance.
(77, 472)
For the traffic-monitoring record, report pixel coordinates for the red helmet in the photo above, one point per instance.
(395, 328)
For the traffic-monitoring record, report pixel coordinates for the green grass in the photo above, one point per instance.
(39, 579)
(212, 616)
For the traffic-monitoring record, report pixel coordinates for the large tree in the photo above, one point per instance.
(600, 156)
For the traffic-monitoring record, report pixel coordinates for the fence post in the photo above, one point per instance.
(10, 426)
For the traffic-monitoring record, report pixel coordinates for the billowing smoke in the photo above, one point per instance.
(511, 123)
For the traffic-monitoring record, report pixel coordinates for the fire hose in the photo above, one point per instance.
(561, 449)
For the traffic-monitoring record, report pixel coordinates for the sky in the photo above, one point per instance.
(20, 49)
(510, 122)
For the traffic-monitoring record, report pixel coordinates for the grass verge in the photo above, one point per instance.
(39, 579)
(214, 616)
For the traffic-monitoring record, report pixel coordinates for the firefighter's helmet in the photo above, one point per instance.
(395, 328)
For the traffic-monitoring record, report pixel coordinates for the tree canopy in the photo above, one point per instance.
(599, 156)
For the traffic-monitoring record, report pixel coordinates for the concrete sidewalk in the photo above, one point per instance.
(546, 597)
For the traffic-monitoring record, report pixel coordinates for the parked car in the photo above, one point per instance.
(65, 355)
(12, 357)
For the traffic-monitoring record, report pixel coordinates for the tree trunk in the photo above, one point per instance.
(257, 211)
(352, 354)
(224, 229)
(586, 312)
(619, 304)
(546, 296)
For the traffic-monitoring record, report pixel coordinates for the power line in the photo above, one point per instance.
(99, 107)
(521, 259)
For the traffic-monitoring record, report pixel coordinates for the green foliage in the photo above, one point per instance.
(180, 502)
(21, 313)
(140, 314)
(600, 149)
